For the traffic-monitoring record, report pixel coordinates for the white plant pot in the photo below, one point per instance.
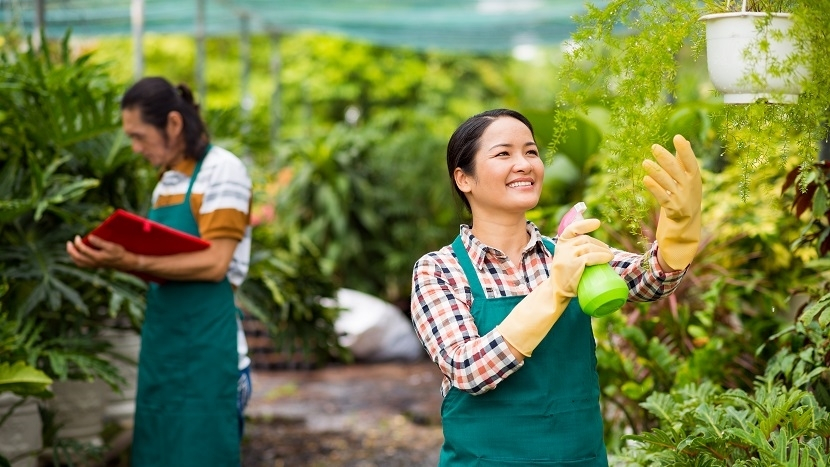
(126, 343)
(79, 410)
(737, 66)
(21, 432)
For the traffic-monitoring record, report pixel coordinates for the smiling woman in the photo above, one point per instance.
(507, 181)
(502, 292)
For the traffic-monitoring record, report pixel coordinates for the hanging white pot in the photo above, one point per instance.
(739, 68)
(21, 432)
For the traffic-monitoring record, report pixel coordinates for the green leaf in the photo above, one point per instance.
(657, 439)
(661, 405)
(22, 379)
(71, 191)
(819, 306)
(820, 201)
(581, 141)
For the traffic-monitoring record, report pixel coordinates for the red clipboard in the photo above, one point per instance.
(145, 237)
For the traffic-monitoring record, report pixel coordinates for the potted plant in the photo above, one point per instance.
(64, 166)
(639, 60)
(21, 385)
(750, 53)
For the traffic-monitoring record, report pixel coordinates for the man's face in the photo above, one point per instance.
(156, 146)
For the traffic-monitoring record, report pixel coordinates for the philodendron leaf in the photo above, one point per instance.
(71, 190)
(635, 391)
(784, 447)
(658, 439)
(10, 209)
(709, 417)
(22, 379)
(752, 436)
(661, 405)
(815, 308)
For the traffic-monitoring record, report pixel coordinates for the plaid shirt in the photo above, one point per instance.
(441, 303)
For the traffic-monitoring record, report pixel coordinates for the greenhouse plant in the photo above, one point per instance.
(65, 166)
(628, 57)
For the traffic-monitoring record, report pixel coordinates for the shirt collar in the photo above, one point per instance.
(185, 166)
(478, 250)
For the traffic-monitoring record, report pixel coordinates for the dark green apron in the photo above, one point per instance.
(186, 402)
(546, 413)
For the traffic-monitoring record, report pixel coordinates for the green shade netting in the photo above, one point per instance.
(471, 25)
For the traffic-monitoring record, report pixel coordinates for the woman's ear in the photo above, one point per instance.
(175, 124)
(462, 180)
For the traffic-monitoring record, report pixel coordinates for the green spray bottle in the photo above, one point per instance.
(601, 291)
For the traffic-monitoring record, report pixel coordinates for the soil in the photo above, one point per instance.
(359, 415)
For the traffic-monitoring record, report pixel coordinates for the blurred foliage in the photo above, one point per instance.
(354, 189)
(64, 166)
(361, 129)
(703, 425)
(735, 296)
(16, 375)
(806, 343)
(352, 194)
(633, 57)
(810, 191)
(752, 302)
(286, 290)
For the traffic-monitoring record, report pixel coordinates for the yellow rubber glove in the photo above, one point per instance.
(676, 184)
(531, 319)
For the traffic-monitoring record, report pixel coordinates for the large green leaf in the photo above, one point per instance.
(64, 166)
(23, 380)
(581, 141)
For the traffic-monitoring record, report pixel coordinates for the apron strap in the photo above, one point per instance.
(470, 270)
(193, 179)
(549, 244)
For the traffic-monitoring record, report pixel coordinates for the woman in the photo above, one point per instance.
(193, 374)
(496, 309)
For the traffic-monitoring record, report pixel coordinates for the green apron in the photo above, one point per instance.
(546, 413)
(186, 411)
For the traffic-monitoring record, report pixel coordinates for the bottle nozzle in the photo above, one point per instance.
(574, 214)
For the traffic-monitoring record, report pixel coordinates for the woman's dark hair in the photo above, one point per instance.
(156, 97)
(464, 143)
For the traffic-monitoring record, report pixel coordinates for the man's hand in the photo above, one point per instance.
(102, 254)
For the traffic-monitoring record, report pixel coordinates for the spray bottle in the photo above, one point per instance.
(601, 291)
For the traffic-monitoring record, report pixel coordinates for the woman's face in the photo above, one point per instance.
(150, 142)
(508, 170)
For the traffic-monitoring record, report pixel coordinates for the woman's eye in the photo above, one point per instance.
(503, 153)
(533, 152)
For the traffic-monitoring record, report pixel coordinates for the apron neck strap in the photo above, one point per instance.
(467, 265)
(193, 178)
(471, 272)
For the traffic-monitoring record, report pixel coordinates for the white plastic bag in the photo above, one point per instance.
(375, 330)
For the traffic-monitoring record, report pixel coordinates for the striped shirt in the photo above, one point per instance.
(442, 300)
(220, 201)
(221, 204)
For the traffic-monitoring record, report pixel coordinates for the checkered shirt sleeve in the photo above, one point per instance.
(441, 302)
